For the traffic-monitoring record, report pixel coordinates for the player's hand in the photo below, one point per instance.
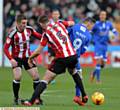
(30, 62)
(13, 62)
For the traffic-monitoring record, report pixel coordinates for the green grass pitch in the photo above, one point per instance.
(59, 96)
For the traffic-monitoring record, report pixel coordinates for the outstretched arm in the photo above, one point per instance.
(36, 34)
(36, 52)
(43, 42)
(68, 23)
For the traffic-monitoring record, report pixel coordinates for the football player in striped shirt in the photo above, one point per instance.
(19, 41)
(57, 36)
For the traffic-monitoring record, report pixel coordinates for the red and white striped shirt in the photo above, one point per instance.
(20, 42)
(57, 36)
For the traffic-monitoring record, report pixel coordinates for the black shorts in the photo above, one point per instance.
(60, 65)
(51, 52)
(23, 62)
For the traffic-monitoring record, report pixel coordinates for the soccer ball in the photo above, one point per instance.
(98, 98)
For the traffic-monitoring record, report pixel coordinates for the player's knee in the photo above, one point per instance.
(17, 77)
(35, 76)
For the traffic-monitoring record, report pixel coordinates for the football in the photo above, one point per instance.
(98, 98)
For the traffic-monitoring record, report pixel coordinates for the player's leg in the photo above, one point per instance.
(56, 67)
(96, 71)
(16, 81)
(51, 56)
(79, 71)
(33, 72)
(48, 77)
(101, 65)
(77, 97)
(104, 59)
(78, 81)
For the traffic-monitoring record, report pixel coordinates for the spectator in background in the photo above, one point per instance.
(70, 9)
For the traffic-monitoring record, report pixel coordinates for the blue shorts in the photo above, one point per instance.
(101, 53)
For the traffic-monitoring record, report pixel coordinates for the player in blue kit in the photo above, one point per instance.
(101, 38)
(80, 37)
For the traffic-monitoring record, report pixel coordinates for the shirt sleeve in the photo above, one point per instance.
(113, 29)
(65, 23)
(44, 40)
(36, 34)
(86, 43)
(6, 47)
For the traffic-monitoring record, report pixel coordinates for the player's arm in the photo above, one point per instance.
(36, 52)
(86, 43)
(114, 30)
(6, 48)
(43, 43)
(36, 34)
(7, 44)
(68, 23)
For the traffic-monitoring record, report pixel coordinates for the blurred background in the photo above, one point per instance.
(70, 10)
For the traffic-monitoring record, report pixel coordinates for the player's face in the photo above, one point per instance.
(44, 25)
(21, 25)
(90, 25)
(103, 16)
(55, 15)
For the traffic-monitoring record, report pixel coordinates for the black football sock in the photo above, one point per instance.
(39, 89)
(79, 83)
(16, 87)
(35, 83)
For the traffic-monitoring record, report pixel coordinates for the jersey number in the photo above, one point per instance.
(61, 37)
(77, 43)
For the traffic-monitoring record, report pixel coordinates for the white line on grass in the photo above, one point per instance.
(56, 91)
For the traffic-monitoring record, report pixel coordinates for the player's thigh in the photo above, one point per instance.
(26, 65)
(57, 66)
(105, 54)
(33, 72)
(71, 64)
(17, 74)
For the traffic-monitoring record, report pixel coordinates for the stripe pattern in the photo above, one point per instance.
(58, 37)
(21, 42)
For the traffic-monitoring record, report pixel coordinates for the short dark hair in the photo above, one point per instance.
(54, 9)
(43, 19)
(20, 17)
(89, 19)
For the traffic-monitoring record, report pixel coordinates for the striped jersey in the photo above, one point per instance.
(20, 42)
(56, 35)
